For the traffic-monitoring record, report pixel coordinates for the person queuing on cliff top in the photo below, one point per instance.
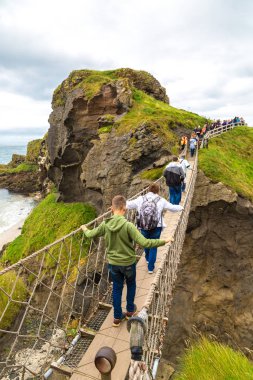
(183, 142)
(193, 144)
(150, 208)
(185, 165)
(174, 176)
(120, 236)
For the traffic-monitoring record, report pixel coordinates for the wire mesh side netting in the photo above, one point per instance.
(154, 313)
(47, 297)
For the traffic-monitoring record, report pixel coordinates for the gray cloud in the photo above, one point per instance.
(199, 49)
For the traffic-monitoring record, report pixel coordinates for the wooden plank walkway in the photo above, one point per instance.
(118, 337)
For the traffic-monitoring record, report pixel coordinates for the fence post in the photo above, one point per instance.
(105, 361)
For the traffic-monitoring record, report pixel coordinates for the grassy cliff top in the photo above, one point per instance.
(91, 82)
(146, 109)
(49, 221)
(150, 104)
(229, 160)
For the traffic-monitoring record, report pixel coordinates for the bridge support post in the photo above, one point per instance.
(105, 361)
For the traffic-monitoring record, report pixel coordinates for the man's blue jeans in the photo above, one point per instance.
(175, 194)
(119, 274)
(192, 151)
(150, 253)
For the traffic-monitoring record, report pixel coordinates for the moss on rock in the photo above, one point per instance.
(22, 168)
(33, 150)
(152, 174)
(91, 82)
(161, 119)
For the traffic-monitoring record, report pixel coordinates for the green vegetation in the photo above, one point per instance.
(7, 282)
(208, 360)
(145, 107)
(24, 167)
(106, 129)
(29, 163)
(90, 81)
(163, 117)
(47, 222)
(153, 174)
(229, 160)
(159, 117)
(109, 118)
(33, 150)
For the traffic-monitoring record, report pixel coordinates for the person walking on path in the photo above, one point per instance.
(193, 144)
(205, 142)
(184, 141)
(185, 165)
(150, 220)
(174, 176)
(120, 236)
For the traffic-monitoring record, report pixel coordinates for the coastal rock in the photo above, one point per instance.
(89, 160)
(213, 293)
(23, 182)
(16, 160)
(23, 174)
(145, 82)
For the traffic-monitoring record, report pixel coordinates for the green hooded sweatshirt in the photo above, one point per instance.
(120, 236)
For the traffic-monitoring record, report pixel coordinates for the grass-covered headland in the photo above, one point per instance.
(145, 108)
(49, 221)
(229, 160)
(208, 360)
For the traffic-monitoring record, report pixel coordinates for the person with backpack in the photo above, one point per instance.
(150, 220)
(120, 236)
(174, 176)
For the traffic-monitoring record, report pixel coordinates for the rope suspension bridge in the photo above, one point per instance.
(58, 304)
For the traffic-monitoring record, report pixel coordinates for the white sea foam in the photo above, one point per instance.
(13, 208)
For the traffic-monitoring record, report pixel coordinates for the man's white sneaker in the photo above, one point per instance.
(150, 271)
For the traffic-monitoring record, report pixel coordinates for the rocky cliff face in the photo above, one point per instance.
(213, 293)
(89, 159)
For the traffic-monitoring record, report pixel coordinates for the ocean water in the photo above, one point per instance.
(13, 208)
(6, 152)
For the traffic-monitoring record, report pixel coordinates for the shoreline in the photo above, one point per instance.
(11, 233)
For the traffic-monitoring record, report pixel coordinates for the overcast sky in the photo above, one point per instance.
(200, 50)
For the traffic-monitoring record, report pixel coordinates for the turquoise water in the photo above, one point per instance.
(6, 152)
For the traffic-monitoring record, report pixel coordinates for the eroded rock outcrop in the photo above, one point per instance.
(213, 292)
(90, 160)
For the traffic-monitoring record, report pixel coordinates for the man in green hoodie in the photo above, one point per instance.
(120, 236)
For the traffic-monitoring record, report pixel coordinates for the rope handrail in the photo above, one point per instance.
(79, 229)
